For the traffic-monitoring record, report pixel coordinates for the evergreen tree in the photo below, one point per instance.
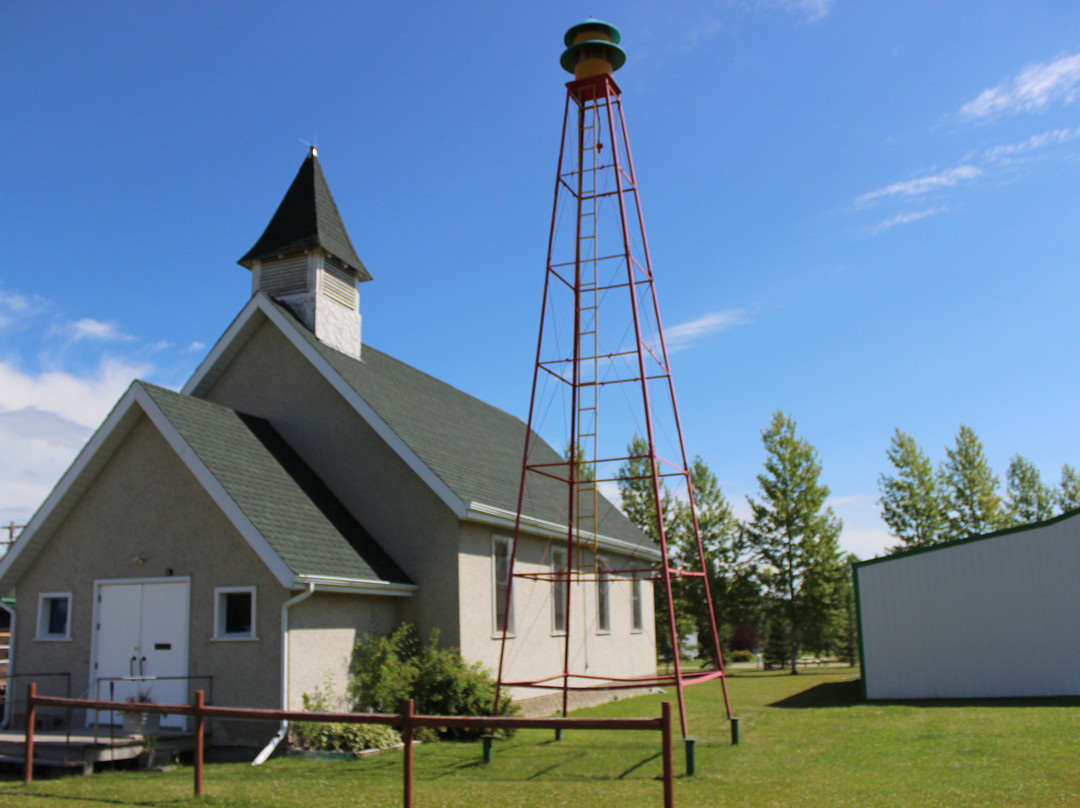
(719, 532)
(1030, 500)
(911, 501)
(971, 488)
(795, 537)
(638, 500)
(1068, 493)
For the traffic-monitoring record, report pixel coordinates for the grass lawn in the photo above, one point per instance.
(806, 739)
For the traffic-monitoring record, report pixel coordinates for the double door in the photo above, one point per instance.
(141, 635)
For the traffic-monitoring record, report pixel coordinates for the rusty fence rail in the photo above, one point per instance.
(406, 722)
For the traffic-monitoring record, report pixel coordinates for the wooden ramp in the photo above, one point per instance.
(80, 749)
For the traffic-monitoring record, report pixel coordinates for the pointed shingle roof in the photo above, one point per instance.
(307, 219)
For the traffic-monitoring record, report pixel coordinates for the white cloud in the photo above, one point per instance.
(81, 399)
(809, 10)
(196, 346)
(88, 328)
(904, 218)
(921, 185)
(16, 308)
(1034, 88)
(44, 421)
(685, 334)
(13, 302)
(1004, 152)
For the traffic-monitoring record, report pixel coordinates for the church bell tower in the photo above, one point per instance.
(306, 261)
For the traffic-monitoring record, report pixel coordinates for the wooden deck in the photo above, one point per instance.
(82, 750)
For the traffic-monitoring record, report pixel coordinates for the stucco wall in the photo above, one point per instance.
(270, 378)
(990, 618)
(536, 650)
(322, 632)
(145, 516)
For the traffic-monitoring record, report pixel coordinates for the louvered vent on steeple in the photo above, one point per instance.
(284, 276)
(339, 283)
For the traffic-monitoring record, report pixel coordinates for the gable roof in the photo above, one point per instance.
(307, 219)
(292, 522)
(467, 451)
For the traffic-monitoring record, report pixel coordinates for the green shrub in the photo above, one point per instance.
(743, 655)
(333, 737)
(388, 670)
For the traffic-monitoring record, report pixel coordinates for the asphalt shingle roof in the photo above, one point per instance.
(307, 219)
(303, 522)
(471, 446)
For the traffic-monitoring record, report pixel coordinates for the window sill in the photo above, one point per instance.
(237, 638)
(52, 639)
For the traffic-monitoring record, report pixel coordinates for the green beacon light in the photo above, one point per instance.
(592, 49)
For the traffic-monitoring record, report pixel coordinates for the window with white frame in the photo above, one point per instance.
(603, 597)
(559, 589)
(636, 613)
(54, 616)
(234, 613)
(500, 576)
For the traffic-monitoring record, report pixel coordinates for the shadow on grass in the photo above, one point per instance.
(848, 694)
(638, 765)
(55, 799)
(1043, 701)
(827, 694)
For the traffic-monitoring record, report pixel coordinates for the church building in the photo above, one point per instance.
(302, 490)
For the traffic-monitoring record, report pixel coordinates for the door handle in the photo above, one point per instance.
(131, 666)
(142, 667)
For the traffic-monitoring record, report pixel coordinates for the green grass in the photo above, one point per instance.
(806, 739)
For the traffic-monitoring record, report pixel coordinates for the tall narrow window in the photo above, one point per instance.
(636, 615)
(603, 597)
(54, 616)
(559, 588)
(500, 573)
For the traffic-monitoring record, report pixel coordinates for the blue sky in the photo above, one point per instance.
(862, 214)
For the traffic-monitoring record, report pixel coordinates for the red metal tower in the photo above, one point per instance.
(602, 371)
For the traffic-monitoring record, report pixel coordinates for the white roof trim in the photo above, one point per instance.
(488, 514)
(244, 325)
(357, 586)
(217, 492)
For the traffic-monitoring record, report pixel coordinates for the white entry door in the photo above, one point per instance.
(141, 631)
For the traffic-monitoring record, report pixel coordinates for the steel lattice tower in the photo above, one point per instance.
(602, 368)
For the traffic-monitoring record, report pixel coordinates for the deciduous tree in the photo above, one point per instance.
(1029, 499)
(970, 488)
(911, 500)
(1068, 492)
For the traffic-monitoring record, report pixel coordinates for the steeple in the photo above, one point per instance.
(306, 261)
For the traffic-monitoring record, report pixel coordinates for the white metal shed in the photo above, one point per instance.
(989, 616)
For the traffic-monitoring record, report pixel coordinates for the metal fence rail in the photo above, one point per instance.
(406, 721)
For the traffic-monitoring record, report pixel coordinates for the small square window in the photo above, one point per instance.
(54, 616)
(234, 613)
